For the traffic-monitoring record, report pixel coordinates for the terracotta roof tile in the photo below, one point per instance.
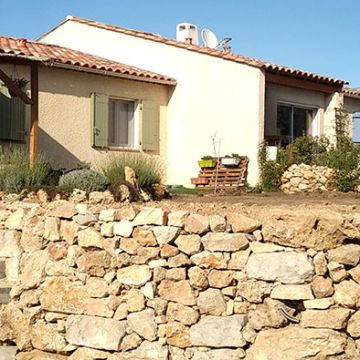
(267, 66)
(351, 92)
(53, 54)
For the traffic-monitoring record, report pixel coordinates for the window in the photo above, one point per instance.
(12, 119)
(121, 123)
(294, 121)
(124, 123)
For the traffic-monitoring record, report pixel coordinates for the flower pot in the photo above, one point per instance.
(230, 161)
(207, 163)
(200, 181)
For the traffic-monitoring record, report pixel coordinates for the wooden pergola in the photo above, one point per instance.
(33, 101)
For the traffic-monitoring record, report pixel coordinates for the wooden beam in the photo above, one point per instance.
(14, 88)
(14, 59)
(34, 113)
(301, 84)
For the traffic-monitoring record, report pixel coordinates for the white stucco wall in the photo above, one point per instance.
(213, 96)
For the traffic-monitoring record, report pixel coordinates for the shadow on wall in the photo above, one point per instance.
(58, 156)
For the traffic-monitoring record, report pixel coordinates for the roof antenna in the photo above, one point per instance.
(210, 40)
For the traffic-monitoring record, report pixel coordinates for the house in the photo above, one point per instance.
(209, 93)
(81, 102)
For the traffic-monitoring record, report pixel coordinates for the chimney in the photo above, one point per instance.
(187, 33)
(21, 42)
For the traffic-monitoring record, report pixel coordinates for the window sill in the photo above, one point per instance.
(123, 149)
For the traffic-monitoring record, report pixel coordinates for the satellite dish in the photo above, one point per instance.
(209, 38)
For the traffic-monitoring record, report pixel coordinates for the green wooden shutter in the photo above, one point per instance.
(17, 119)
(150, 125)
(5, 116)
(99, 120)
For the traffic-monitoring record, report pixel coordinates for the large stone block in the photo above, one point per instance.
(8, 352)
(95, 332)
(286, 267)
(219, 331)
(9, 243)
(224, 242)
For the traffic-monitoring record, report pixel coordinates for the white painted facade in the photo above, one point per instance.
(212, 96)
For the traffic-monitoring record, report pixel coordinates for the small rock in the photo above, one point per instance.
(144, 324)
(217, 223)
(337, 271)
(332, 319)
(225, 242)
(241, 223)
(346, 254)
(85, 220)
(177, 218)
(347, 293)
(90, 238)
(211, 302)
(353, 327)
(150, 216)
(188, 244)
(184, 314)
(320, 304)
(292, 292)
(207, 259)
(134, 275)
(198, 278)
(123, 228)
(322, 287)
(165, 234)
(320, 263)
(177, 291)
(220, 279)
(196, 224)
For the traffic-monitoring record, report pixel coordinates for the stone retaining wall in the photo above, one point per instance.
(306, 178)
(128, 283)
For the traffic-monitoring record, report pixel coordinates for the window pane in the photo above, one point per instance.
(300, 122)
(284, 120)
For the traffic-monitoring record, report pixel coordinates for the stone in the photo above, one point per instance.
(225, 242)
(219, 331)
(95, 332)
(239, 259)
(121, 312)
(52, 229)
(347, 293)
(353, 327)
(57, 251)
(153, 264)
(260, 247)
(286, 267)
(148, 290)
(176, 274)
(320, 304)
(253, 291)
(337, 271)
(168, 251)
(320, 264)
(292, 292)
(2, 270)
(134, 275)
(129, 245)
(5, 295)
(108, 215)
(39, 355)
(322, 287)
(181, 313)
(123, 228)
(159, 305)
(297, 343)
(90, 238)
(220, 279)
(177, 218)
(211, 302)
(9, 243)
(177, 291)
(58, 268)
(129, 342)
(144, 324)
(332, 319)
(81, 208)
(177, 335)
(63, 209)
(355, 274)
(8, 352)
(188, 244)
(68, 231)
(165, 234)
(45, 337)
(217, 223)
(88, 354)
(219, 354)
(207, 259)
(135, 300)
(346, 254)
(242, 223)
(258, 235)
(196, 224)
(144, 254)
(178, 261)
(16, 220)
(146, 351)
(32, 268)
(93, 263)
(97, 287)
(150, 216)
(198, 278)
(85, 220)
(144, 236)
(107, 229)
(267, 315)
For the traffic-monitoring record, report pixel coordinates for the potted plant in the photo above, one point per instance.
(231, 160)
(207, 162)
(21, 83)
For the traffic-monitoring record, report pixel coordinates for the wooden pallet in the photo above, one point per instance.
(225, 177)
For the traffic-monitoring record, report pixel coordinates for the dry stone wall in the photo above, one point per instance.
(306, 178)
(96, 282)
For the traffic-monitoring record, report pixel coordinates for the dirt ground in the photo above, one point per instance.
(251, 203)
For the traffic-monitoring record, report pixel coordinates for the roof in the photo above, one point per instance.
(351, 92)
(267, 66)
(54, 55)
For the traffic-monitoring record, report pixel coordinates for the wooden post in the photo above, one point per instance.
(34, 113)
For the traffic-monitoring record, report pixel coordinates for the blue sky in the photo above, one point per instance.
(315, 35)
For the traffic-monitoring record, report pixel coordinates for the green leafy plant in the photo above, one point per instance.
(84, 179)
(207, 157)
(16, 173)
(148, 169)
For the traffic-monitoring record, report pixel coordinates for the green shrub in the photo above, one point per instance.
(16, 173)
(84, 179)
(148, 169)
